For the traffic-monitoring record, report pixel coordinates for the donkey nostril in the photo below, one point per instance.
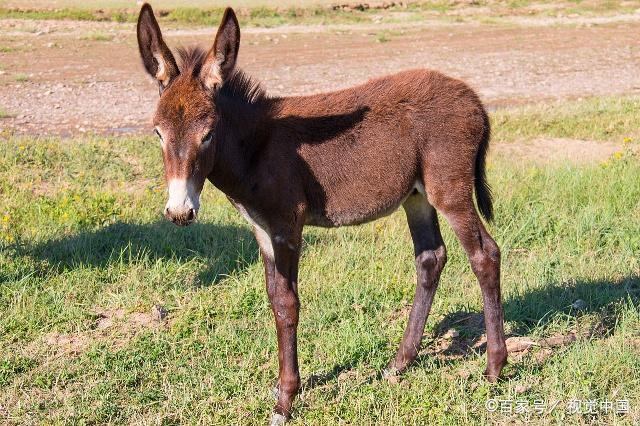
(191, 215)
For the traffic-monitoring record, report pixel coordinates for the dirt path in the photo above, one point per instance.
(546, 151)
(70, 77)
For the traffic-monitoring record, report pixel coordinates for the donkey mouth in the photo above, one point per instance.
(183, 218)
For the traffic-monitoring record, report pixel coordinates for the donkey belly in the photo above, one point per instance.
(335, 219)
(355, 209)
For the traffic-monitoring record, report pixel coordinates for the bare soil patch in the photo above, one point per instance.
(545, 151)
(462, 333)
(61, 77)
(115, 327)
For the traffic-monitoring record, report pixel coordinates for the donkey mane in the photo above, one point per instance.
(239, 87)
(244, 89)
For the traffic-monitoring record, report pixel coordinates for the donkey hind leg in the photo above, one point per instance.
(484, 256)
(431, 256)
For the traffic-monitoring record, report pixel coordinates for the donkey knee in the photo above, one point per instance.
(441, 255)
(431, 262)
(426, 260)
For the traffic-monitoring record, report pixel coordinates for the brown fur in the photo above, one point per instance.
(416, 139)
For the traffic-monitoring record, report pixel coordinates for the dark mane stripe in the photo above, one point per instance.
(239, 87)
(242, 88)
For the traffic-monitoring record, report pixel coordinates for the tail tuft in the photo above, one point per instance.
(483, 190)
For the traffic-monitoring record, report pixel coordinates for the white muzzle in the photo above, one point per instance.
(184, 202)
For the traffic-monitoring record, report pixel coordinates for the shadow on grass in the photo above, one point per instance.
(225, 249)
(541, 306)
(526, 311)
(320, 379)
(537, 308)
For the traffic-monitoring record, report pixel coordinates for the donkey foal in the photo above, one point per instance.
(417, 139)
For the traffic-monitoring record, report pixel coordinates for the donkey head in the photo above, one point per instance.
(185, 118)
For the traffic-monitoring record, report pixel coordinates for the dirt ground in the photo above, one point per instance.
(62, 77)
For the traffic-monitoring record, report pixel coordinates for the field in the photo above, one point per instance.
(85, 257)
(269, 13)
(111, 315)
(130, 4)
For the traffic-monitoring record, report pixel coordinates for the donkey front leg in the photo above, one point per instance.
(280, 254)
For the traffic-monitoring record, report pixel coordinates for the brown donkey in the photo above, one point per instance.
(417, 139)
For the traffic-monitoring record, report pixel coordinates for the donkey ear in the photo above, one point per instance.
(221, 59)
(156, 56)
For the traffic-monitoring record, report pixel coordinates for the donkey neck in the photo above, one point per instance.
(243, 128)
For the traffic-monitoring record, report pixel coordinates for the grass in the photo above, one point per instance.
(606, 118)
(81, 238)
(166, 4)
(21, 78)
(4, 113)
(269, 13)
(99, 36)
(71, 14)
(382, 37)
(255, 17)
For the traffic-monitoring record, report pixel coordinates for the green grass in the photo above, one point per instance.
(608, 118)
(81, 234)
(21, 78)
(72, 14)
(98, 36)
(382, 37)
(256, 17)
(4, 113)
(269, 13)
(164, 4)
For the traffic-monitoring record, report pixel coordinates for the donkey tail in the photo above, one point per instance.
(483, 190)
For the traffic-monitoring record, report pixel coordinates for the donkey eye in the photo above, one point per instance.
(159, 135)
(208, 138)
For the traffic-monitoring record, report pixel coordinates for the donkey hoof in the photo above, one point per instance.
(277, 419)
